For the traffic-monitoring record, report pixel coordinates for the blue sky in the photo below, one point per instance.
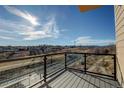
(56, 25)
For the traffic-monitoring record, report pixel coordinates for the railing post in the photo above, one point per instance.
(115, 67)
(45, 58)
(85, 68)
(65, 60)
(29, 79)
(51, 59)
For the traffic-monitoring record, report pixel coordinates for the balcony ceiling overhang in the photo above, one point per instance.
(84, 8)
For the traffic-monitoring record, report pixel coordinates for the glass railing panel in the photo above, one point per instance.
(55, 63)
(101, 64)
(22, 75)
(75, 61)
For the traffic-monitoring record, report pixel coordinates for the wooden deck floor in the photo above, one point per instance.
(71, 79)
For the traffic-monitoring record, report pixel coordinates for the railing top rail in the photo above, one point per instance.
(28, 57)
(89, 53)
(49, 54)
(21, 58)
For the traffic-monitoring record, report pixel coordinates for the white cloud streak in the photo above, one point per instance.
(25, 15)
(87, 40)
(23, 31)
(6, 37)
(49, 30)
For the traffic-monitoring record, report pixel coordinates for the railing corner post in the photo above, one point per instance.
(85, 68)
(65, 61)
(115, 67)
(45, 58)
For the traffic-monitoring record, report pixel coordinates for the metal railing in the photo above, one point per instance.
(100, 64)
(42, 68)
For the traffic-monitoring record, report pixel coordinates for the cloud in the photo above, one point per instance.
(25, 15)
(87, 40)
(48, 30)
(23, 31)
(6, 37)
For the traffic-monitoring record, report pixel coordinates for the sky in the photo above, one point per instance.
(56, 25)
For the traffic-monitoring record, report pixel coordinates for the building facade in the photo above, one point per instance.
(119, 31)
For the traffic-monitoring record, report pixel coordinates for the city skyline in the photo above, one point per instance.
(56, 25)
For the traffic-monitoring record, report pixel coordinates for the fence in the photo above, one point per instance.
(36, 70)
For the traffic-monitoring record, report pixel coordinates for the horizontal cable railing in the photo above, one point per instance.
(33, 71)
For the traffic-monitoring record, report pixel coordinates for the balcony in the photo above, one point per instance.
(60, 70)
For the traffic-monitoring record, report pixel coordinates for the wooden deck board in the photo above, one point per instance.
(96, 83)
(68, 80)
(91, 86)
(62, 81)
(107, 85)
(76, 82)
(102, 84)
(92, 80)
(80, 85)
(56, 81)
(86, 84)
(112, 83)
(72, 82)
(80, 80)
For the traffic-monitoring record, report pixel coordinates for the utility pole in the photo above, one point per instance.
(74, 43)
